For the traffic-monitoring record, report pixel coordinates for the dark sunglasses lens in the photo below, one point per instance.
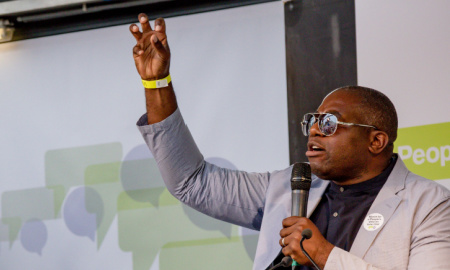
(328, 124)
(307, 123)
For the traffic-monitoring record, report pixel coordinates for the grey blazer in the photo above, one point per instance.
(414, 233)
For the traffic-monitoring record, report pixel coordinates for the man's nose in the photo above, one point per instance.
(315, 131)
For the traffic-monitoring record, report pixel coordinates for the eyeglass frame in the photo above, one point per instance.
(304, 122)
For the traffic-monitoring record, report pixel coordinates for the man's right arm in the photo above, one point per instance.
(233, 196)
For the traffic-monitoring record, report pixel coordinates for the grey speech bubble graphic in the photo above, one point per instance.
(139, 172)
(139, 152)
(205, 222)
(33, 236)
(80, 218)
(221, 162)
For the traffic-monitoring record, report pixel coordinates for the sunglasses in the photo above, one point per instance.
(328, 123)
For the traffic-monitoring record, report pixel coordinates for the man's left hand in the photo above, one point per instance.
(317, 246)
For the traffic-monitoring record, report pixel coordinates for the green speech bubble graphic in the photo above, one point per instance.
(65, 168)
(18, 206)
(105, 180)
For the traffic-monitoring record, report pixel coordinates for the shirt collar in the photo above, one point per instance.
(374, 184)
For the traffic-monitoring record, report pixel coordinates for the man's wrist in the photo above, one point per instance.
(154, 84)
(323, 254)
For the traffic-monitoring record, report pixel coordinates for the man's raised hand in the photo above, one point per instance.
(151, 53)
(152, 58)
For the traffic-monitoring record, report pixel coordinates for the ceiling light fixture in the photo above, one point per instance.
(6, 31)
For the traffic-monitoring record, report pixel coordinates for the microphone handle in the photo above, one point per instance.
(303, 202)
(299, 202)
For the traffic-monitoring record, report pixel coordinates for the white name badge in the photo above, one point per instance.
(373, 222)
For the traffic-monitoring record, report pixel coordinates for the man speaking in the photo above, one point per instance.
(366, 210)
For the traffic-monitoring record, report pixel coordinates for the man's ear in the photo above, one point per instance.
(378, 141)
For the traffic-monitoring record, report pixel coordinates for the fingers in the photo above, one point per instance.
(292, 232)
(289, 221)
(291, 246)
(292, 229)
(134, 29)
(284, 242)
(291, 235)
(160, 25)
(162, 50)
(137, 51)
(288, 224)
(143, 19)
(317, 246)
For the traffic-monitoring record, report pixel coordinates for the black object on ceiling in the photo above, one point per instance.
(94, 15)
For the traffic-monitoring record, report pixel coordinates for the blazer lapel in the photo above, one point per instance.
(385, 204)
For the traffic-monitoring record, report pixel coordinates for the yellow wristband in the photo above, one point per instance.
(157, 84)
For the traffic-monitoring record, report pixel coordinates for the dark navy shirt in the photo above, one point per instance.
(342, 210)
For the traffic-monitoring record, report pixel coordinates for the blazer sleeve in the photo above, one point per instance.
(430, 248)
(229, 195)
(340, 259)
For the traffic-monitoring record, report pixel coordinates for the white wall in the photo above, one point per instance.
(403, 51)
(70, 102)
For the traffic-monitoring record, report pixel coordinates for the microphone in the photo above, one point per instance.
(306, 234)
(300, 185)
(285, 262)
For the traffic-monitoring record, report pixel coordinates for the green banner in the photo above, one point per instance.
(426, 150)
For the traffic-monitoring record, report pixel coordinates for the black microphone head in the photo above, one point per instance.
(301, 176)
(307, 233)
(286, 261)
